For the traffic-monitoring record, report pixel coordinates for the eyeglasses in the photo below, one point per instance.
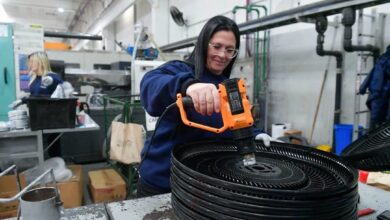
(217, 48)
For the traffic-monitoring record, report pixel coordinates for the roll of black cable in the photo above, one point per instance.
(288, 181)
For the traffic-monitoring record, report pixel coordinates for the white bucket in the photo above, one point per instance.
(278, 129)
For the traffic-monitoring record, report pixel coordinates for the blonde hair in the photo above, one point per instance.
(42, 61)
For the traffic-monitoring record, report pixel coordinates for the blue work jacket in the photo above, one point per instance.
(378, 85)
(159, 88)
(45, 88)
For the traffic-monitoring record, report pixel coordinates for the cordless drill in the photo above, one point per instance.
(236, 116)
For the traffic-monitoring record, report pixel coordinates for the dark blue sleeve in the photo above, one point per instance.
(160, 86)
(56, 81)
(38, 89)
(257, 131)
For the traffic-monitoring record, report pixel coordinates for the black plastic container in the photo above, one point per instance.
(51, 113)
(209, 180)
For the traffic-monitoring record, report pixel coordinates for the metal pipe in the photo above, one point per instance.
(257, 78)
(348, 20)
(247, 38)
(326, 8)
(264, 52)
(7, 170)
(234, 11)
(235, 8)
(321, 26)
(15, 197)
(72, 35)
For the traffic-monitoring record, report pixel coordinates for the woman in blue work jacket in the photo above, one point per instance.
(43, 81)
(209, 64)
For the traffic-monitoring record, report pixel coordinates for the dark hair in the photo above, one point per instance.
(199, 54)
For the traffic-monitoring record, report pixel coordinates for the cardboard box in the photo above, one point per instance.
(106, 186)
(379, 179)
(8, 189)
(293, 132)
(8, 214)
(71, 191)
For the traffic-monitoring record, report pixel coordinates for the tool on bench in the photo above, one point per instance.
(236, 116)
(364, 212)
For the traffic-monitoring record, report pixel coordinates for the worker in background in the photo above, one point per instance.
(378, 84)
(209, 64)
(43, 82)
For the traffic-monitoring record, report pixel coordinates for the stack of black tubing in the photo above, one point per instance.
(371, 151)
(288, 181)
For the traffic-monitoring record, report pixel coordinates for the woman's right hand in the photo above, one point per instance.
(205, 97)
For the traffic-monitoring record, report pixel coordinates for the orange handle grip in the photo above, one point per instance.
(183, 114)
(233, 121)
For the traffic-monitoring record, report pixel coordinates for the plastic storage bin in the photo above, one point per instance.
(343, 136)
(50, 113)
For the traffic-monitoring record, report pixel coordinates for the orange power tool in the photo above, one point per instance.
(236, 116)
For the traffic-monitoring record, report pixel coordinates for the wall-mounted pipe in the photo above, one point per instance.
(258, 78)
(326, 7)
(234, 11)
(348, 20)
(264, 52)
(321, 26)
(71, 35)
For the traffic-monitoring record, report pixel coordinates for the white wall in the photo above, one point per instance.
(296, 74)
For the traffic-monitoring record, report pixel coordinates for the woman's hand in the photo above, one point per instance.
(205, 97)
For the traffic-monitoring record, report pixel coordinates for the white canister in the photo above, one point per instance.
(278, 129)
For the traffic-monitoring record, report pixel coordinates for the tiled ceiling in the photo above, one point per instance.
(44, 12)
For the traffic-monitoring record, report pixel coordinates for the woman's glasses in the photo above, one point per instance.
(228, 51)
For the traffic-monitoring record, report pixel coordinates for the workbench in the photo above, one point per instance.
(159, 207)
(21, 144)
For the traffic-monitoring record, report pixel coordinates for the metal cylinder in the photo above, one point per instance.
(40, 203)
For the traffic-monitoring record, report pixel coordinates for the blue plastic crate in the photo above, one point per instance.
(343, 136)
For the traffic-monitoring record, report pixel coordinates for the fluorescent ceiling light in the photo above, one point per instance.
(60, 10)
